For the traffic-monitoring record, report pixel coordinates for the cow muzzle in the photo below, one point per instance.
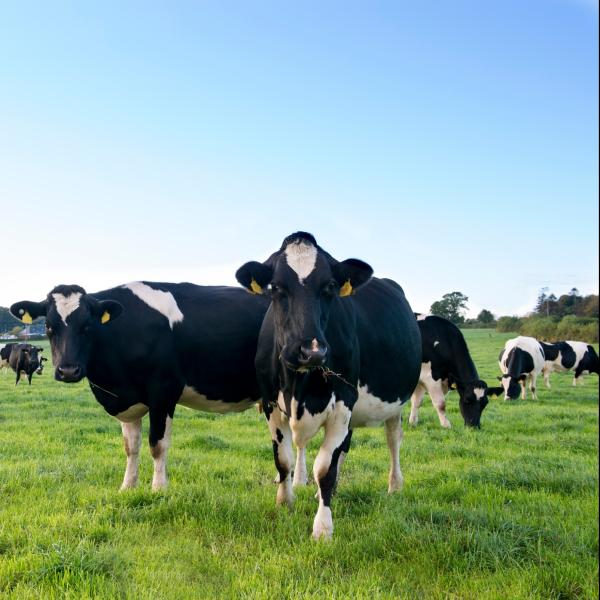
(312, 354)
(69, 373)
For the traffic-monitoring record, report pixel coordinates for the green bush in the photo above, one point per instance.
(541, 328)
(577, 328)
(508, 324)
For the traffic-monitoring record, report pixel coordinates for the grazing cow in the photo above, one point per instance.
(25, 359)
(446, 363)
(145, 347)
(567, 356)
(328, 358)
(522, 358)
(5, 350)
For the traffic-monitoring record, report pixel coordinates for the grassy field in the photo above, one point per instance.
(506, 512)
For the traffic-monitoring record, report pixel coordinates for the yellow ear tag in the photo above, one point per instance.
(346, 289)
(105, 317)
(256, 289)
(26, 318)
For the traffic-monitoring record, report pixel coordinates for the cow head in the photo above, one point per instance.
(72, 319)
(303, 282)
(512, 385)
(32, 357)
(473, 398)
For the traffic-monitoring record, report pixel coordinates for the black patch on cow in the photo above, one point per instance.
(279, 435)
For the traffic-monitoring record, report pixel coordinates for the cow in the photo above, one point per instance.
(338, 349)
(446, 363)
(568, 356)
(147, 347)
(24, 359)
(521, 358)
(5, 350)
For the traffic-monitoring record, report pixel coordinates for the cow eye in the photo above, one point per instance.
(330, 289)
(277, 291)
(48, 330)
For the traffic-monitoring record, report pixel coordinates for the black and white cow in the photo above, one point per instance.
(5, 350)
(447, 363)
(522, 358)
(146, 347)
(25, 359)
(329, 358)
(570, 356)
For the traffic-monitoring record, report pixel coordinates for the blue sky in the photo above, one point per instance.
(452, 145)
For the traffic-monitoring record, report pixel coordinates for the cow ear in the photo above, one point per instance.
(351, 274)
(108, 310)
(494, 392)
(499, 378)
(27, 311)
(255, 276)
(39, 349)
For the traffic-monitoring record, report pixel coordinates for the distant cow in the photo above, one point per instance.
(25, 359)
(521, 359)
(447, 363)
(5, 350)
(568, 356)
(146, 347)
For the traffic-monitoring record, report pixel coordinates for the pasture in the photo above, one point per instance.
(506, 512)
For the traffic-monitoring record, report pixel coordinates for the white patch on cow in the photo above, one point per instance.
(163, 302)
(323, 523)
(133, 413)
(301, 258)
(300, 472)
(65, 305)
(580, 348)
(370, 411)
(132, 438)
(435, 343)
(190, 398)
(479, 393)
(422, 317)
(305, 428)
(437, 390)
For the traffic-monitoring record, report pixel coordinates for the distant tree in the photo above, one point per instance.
(452, 307)
(485, 316)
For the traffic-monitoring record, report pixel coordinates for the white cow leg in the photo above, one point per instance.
(159, 454)
(281, 436)
(547, 379)
(132, 440)
(300, 473)
(415, 404)
(394, 434)
(524, 389)
(325, 467)
(532, 385)
(438, 400)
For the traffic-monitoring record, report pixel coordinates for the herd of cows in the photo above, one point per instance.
(320, 343)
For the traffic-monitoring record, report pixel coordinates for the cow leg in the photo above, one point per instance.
(325, 467)
(160, 441)
(344, 452)
(394, 434)
(281, 436)
(300, 473)
(524, 389)
(415, 403)
(438, 399)
(547, 379)
(132, 440)
(532, 385)
(29, 377)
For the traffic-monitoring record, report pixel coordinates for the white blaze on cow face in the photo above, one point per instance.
(65, 305)
(163, 302)
(301, 258)
(479, 393)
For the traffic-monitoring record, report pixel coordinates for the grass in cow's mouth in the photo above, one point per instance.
(505, 512)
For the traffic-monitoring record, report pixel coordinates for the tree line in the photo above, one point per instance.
(569, 316)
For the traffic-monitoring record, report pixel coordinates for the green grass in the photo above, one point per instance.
(505, 512)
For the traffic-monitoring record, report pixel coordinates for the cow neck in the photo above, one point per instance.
(462, 366)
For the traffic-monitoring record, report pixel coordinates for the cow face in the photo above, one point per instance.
(72, 319)
(512, 386)
(32, 358)
(303, 282)
(43, 359)
(472, 401)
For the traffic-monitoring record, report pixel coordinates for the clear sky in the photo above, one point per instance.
(452, 145)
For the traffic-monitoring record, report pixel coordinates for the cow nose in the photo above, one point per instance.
(69, 374)
(312, 354)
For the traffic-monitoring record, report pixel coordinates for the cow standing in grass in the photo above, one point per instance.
(521, 359)
(447, 363)
(146, 347)
(23, 359)
(570, 356)
(329, 358)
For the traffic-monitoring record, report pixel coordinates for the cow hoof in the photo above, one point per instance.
(285, 497)
(300, 481)
(413, 421)
(395, 486)
(158, 486)
(446, 425)
(323, 524)
(129, 485)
